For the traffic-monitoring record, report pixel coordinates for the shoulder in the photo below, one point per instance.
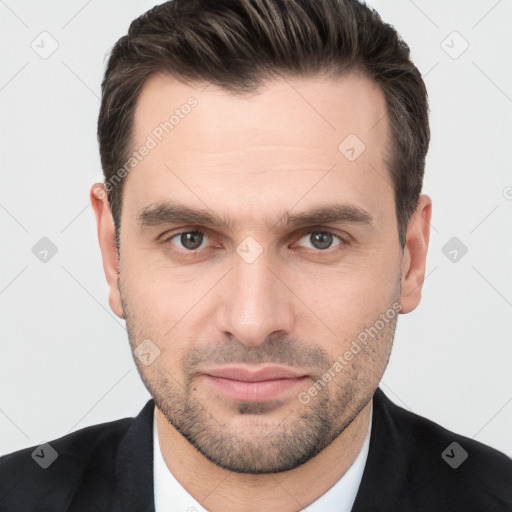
(447, 466)
(55, 469)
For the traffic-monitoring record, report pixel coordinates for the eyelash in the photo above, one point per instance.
(188, 254)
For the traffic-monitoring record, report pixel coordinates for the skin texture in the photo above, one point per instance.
(299, 304)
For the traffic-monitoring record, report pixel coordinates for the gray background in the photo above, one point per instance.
(65, 358)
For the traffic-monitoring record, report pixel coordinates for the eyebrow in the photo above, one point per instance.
(169, 212)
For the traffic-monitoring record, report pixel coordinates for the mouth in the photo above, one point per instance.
(254, 384)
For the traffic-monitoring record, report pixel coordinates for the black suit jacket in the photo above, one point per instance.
(109, 468)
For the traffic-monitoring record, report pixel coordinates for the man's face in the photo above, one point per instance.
(254, 292)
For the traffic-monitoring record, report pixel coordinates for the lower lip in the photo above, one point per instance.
(260, 391)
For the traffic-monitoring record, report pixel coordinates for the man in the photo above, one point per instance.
(261, 226)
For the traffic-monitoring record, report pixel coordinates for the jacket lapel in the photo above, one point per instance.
(385, 473)
(134, 465)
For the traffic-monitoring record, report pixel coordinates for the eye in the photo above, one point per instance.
(321, 240)
(188, 241)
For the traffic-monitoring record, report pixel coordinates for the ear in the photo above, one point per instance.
(415, 255)
(107, 240)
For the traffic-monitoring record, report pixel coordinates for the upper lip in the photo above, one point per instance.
(258, 374)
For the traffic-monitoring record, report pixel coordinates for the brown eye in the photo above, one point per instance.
(189, 240)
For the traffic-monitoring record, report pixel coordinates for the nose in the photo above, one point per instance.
(255, 302)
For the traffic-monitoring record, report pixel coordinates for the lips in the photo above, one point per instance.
(247, 374)
(254, 384)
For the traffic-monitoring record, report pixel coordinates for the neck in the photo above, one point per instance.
(218, 489)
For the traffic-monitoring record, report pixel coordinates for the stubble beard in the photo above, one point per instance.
(266, 445)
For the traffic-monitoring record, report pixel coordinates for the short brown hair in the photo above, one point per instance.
(238, 44)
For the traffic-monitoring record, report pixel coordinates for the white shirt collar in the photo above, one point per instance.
(171, 496)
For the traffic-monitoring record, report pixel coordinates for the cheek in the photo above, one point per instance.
(154, 299)
(164, 305)
(351, 297)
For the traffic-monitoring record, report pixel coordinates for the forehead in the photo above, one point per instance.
(270, 147)
(293, 110)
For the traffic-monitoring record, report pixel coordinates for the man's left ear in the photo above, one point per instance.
(415, 255)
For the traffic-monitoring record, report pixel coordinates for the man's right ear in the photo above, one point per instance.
(107, 239)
